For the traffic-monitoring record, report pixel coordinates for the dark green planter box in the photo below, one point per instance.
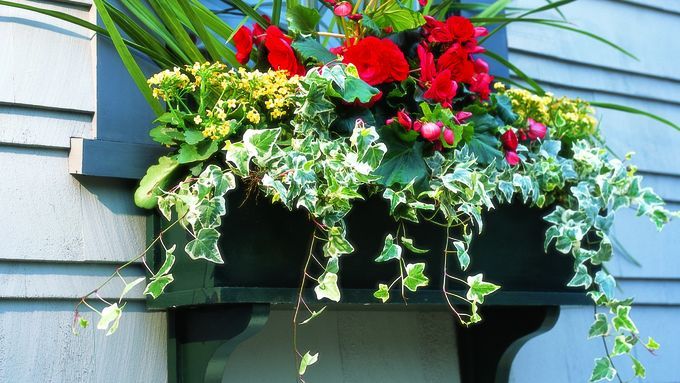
(264, 247)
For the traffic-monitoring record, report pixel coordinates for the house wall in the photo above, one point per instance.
(575, 65)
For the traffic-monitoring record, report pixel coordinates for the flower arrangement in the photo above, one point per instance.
(401, 106)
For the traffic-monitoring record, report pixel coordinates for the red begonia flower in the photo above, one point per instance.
(509, 140)
(427, 67)
(443, 89)
(243, 40)
(480, 85)
(280, 53)
(457, 61)
(377, 60)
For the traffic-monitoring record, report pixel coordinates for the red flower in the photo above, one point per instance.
(422, 2)
(437, 31)
(281, 55)
(258, 34)
(461, 28)
(449, 137)
(403, 119)
(243, 40)
(536, 130)
(427, 67)
(512, 158)
(378, 61)
(342, 9)
(509, 140)
(480, 85)
(355, 16)
(430, 131)
(462, 116)
(481, 66)
(443, 89)
(456, 60)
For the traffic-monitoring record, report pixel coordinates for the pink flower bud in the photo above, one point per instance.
(422, 2)
(430, 131)
(404, 119)
(536, 130)
(512, 158)
(342, 9)
(355, 16)
(462, 116)
(481, 66)
(417, 126)
(509, 140)
(449, 137)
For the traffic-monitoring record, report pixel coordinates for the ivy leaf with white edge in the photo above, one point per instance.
(168, 263)
(408, 243)
(621, 346)
(390, 250)
(383, 293)
(260, 143)
(337, 244)
(603, 370)
(205, 246)
(581, 278)
(600, 327)
(479, 289)
(313, 315)
(652, 344)
(462, 254)
(328, 287)
(110, 317)
(415, 277)
(622, 320)
(130, 286)
(156, 287)
(638, 368)
(606, 283)
(307, 360)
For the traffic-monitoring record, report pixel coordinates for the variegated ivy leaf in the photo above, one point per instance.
(383, 292)
(307, 360)
(462, 254)
(389, 251)
(652, 344)
(603, 370)
(638, 368)
(157, 285)
(168, 263)
(204, 246)
(110, 318)
(408, 243)
(581, 278)
(478, 289)
(600, 327)
(621, 346)
(337, 244)
(606, 283)
(415, 277)
(260, 142)
(130, 286)
(313, 315)
(238, 155)
(622, 320)
(328, 287)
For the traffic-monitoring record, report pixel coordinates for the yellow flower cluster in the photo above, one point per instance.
(569, 119)
(169, 83)
(273, 89)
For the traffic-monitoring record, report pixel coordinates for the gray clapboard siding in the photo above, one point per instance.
(28, 125)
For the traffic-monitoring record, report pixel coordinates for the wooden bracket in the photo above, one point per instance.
(200, 339)
(486, 350)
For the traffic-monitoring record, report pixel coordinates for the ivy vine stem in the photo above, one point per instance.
(300, 300)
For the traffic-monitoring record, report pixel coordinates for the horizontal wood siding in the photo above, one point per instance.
(573, 65)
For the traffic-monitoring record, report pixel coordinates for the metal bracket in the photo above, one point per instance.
(200, 339)
(486, 350)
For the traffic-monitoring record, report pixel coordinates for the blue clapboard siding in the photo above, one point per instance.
(573, 65)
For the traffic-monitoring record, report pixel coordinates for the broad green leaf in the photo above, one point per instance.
(606, 283)
(110, 316)
(481, 139)
(403, 163)
(638, 368)
(307, 360)
(408, 243)
(328, 287)
(600, 327)
(393, 14)
(205, 246)
(389, 251)
(621, 346)
(503, 108)
(652, 344)
(302, 19)
(130, 286)
(157, 178)
(479, 289)
(603, 370)
(383, 293)
(415, 277)
(156, 287)
(309, 48)
(260, 143)
(622, 320)
(313, 315)
(166, 135)
(194, 153)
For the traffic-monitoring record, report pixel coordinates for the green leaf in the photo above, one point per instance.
(157, 178)
(156, 287)
(168, 263)
(581, 278)
(403, 163)
(606, 283)
(622, 320)
(383, 293)
(357, 90)
(600, 327)
(393, 14)
(638, 368)
(408, 243)
(82, 322)
(390, 250)
(130, 286)
(462, 254)
(479, 289)
(205, 246)
(652, 344)
(337, 244)
(302, 19)
(194, 153)
(603, 370)
(503, 108)
(621, 346)
(328, 287)
(313, 315)
(110, 316)
(309, 48)
(415, 277)
(260, 143)
(193, 137)
(482, 141)
(307, 360)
